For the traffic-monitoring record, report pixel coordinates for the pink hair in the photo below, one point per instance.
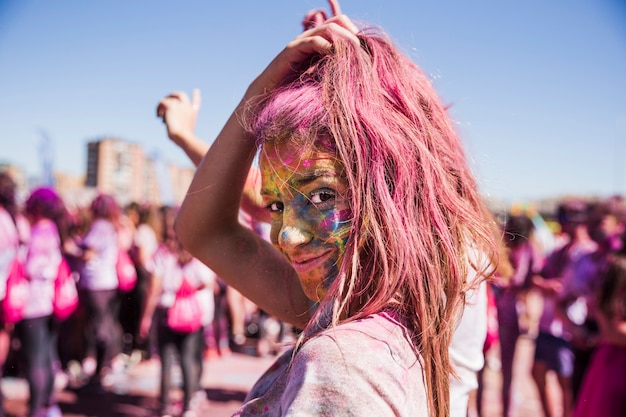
(45, 203)
(417, 214)
(104, 206)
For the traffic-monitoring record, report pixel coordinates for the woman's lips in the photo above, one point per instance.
(302, 265)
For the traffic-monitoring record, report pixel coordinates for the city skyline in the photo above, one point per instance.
(536, 89)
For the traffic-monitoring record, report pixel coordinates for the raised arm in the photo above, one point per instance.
(179, 115)
(207, 223)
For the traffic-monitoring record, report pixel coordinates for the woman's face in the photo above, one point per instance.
(307, 195)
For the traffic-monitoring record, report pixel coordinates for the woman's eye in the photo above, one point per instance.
(319, 197)
(275, 207)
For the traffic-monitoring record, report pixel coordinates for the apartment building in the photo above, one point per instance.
(122, 169)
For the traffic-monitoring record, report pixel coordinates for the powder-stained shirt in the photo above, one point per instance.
(42, 266)
(165, 265)
(99, 271)
(562, 265)
(363, 368)
(9, 242)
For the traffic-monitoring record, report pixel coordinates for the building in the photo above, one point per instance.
(180, 179)
(121, 168)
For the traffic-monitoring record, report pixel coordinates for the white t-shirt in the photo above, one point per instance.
(363, 368)
(42, 266)
(99, 272)
(145, 238)
(9, 241)
(165, 265)
(466, 348)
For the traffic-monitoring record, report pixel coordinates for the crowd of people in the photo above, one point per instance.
(579, 273)
(579, 334)
(336, 202)
(113, 324)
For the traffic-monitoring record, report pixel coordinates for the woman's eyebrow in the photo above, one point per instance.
(301, 180)
(308, 178)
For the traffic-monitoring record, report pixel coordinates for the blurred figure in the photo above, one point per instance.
(13, 233)
(508, 295)
(603, 391)
(218, 333)
(171, 265)
(553, 351)
(129, 310)
(148, 223)
(71, 345)
(98, 288)
(240, 310)
(475, 403)
(475, 333)
(606, 226)
(37, 330)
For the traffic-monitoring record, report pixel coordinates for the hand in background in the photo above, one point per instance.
(179, 114)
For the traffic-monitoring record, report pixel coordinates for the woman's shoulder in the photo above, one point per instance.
(372, 356)
(382, 336)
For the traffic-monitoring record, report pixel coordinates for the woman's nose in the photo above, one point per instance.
(291, 237)
(292, 233)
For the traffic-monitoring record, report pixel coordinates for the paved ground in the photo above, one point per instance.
(227, 379)
(133, 392)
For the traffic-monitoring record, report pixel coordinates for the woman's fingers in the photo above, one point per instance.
(314, 18)
(318, 39)
(317, 17)
(336, 26)
(334, 7)
(345, 22)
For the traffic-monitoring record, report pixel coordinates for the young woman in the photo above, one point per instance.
(375, 219)
(522, 254)
(98, 288)
(13, 233)
(603, 391)
(38, 330)
(170, 265)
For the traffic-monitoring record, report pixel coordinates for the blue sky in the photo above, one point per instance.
(537, 87)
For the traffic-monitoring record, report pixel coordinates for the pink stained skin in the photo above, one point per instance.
(305, 191)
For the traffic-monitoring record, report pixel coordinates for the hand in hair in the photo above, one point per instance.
(317, 17)
(316, 39)
(239, 256)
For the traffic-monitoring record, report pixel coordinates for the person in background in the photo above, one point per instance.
(98, 290)
(14, 230)
(217, 334)
(170, 265)
(603, 391)
(607, 222)
(472, 335)
(523, 257)
(553, 350)
(148, 222)
(37, 330)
